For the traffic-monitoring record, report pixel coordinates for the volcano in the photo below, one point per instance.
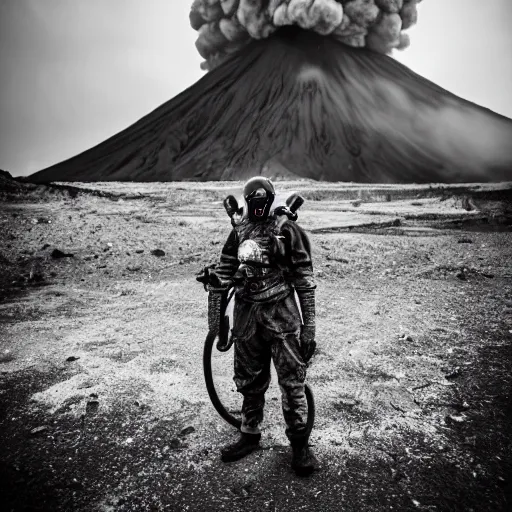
(303, 105)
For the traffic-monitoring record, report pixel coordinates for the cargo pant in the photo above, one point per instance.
(265, 332)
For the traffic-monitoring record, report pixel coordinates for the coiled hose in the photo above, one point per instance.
(214, 397)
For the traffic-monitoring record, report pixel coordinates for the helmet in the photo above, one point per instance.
(259, 195)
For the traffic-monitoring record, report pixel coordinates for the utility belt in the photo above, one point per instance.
(261, 284)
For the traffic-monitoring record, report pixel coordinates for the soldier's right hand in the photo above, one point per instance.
(214, 302)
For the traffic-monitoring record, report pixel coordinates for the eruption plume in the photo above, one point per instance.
(224, 26)
(304, 88)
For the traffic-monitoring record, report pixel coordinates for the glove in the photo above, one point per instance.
(308, 343)
(307, 337)
(214, 303)
(204, 275)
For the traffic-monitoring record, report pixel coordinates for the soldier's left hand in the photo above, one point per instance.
(308, 343)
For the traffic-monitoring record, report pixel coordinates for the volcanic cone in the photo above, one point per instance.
(300, 104)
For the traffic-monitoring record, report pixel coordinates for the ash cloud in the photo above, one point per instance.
(225, 26)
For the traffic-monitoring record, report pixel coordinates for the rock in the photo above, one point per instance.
(158, 252)
(45, 246)
(175, 443)
(133, 268)
(455, 418)
(350, 402)
(139, 251)
(92, 406)
(86, 384)
(38, 430)
(464, 241)
(6, 356)
(462, 276)
(70, 359)
(405, 337)
(453, 374)
(57, 254)
(333, 258)
(187, 430)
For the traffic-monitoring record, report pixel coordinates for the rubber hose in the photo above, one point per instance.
(229, 418)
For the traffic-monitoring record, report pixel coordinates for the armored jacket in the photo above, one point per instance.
(266, 260)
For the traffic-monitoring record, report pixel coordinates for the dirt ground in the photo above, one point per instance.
(103, 402)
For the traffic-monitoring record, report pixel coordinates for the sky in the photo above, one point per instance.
(75, 72)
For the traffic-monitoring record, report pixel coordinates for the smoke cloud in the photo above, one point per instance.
(225, 26)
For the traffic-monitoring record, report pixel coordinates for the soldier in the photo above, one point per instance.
(266, 260)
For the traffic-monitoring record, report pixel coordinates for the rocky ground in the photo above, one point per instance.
(103, 403)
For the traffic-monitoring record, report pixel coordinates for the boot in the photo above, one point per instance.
(303, 460)
(244, 446)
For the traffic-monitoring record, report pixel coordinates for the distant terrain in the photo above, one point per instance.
(300, 105)
(102, 400)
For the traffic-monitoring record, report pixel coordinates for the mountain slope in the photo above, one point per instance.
(312, 107)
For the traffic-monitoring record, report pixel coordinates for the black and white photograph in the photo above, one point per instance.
(255, 255)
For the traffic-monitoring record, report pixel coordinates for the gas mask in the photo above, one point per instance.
(259, 195)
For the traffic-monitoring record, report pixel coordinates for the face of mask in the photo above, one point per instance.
(258, 204)
(259, 195)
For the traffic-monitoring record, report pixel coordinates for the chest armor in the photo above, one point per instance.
(256, 243)
(259, 276)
